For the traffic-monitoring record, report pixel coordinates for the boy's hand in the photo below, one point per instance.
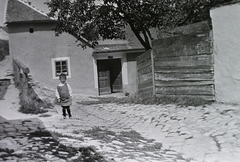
(59, 100)
(64, 101)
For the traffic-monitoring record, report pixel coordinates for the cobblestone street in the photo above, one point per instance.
(126, 132)
(187, 133)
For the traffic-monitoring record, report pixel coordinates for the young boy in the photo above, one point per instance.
(64, 95)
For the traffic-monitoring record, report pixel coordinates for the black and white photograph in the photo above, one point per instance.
(119, 80)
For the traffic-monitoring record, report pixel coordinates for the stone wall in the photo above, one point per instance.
(29, 100)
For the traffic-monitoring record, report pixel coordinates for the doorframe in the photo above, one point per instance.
(105, 56)
(110, 67)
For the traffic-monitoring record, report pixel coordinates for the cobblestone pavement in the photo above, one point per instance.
(28, 141)
(124, 133)
(24, 138)
(114, 141)
(202, 134)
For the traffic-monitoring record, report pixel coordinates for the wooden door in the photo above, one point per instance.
(115, 75)
(104, 77)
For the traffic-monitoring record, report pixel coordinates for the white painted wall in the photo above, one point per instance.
(3, 34)
(36, 50)
(226, 42)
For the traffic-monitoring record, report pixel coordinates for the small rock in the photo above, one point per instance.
(63, 153)
(37, 138)
(49, 156)
(35, 148)
(117, 142)
(19, 152)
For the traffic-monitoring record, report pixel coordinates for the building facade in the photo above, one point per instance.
(108, 68)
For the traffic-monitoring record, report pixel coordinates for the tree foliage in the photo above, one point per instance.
(90, 20)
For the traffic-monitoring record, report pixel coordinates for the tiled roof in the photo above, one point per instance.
(20, 11)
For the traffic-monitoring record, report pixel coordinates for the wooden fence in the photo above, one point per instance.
(145, 73)
(182, 65)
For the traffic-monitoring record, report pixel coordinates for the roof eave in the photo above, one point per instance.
(32, 21)
(121, 50)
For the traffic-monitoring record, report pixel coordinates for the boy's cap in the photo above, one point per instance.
(62, 76)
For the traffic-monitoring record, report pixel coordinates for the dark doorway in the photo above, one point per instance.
(109, 76)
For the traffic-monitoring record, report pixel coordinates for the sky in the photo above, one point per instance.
(2, 10)
(37, 3)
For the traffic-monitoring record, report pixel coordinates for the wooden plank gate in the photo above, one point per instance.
(179, 65)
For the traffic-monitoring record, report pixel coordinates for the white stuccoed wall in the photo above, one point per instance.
(226, 43)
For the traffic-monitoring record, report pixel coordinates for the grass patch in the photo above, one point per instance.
(28, 108)
(149, 100)
(31, 106)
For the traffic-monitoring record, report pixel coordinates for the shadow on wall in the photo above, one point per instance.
(4, 49)
(4, 83)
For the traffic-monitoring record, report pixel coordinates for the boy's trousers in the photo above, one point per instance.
(64, 108)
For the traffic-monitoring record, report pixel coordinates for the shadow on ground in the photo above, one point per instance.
(27, 140)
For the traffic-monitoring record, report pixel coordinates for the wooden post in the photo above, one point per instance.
(153, 73)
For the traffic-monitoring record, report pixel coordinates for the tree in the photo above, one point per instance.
(90, 20)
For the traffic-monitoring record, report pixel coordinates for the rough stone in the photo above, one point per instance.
(10, 129)
(35, 148)
(9, 143)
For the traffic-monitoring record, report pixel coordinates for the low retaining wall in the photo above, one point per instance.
(29, 100)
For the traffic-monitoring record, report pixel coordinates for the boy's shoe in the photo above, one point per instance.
(70, 116)
(64, 117)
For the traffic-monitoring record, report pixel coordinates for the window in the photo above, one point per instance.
(61, 65)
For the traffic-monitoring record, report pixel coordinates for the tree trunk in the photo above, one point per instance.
(145, 43)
